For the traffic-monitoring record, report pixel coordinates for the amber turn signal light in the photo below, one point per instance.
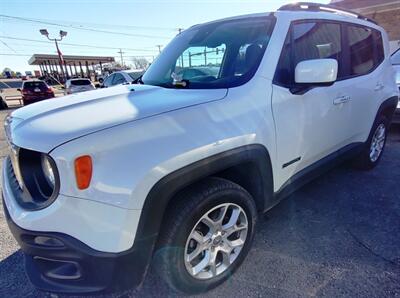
(83, 171)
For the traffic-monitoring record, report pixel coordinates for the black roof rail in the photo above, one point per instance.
(310, 6)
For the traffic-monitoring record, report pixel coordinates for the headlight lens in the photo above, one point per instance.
(48, 171)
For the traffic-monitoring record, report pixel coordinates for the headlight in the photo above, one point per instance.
(48, 170)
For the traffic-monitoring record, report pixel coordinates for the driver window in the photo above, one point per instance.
(198, 63)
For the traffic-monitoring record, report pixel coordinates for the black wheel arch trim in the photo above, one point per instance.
(390, 105)
(165, 189)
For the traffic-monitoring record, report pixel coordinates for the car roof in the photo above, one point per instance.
(31, 81)
(79, 79)
(293, 15)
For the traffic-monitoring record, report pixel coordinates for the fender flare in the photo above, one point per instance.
(165, 189)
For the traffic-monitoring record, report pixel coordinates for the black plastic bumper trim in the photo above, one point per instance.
(74, 267)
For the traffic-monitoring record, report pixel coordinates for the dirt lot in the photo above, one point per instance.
(337, 236)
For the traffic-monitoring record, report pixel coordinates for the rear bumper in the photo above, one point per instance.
(59, 263)
(33, 99)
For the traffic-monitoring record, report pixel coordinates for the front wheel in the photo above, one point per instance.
(207, 235)
(372, 153)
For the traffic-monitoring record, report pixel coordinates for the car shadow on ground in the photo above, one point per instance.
(337, 236)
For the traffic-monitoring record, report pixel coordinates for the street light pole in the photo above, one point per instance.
(60, 59)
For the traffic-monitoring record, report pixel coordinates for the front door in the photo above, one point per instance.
(315, 123)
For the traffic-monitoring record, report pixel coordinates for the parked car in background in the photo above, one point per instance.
(122, 77)
(3, 103)
(193, 72)
(34, 91)
(396, 64)
(78, 85)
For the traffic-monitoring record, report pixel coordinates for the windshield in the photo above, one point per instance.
(216, 55)
(80, 82)
(396, 58)
(135, 74)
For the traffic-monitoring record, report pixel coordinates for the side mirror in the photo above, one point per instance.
(316, 72)
(19, 89)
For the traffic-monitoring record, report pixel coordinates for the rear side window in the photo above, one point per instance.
(309, 40)
(361, 43)
(379, 50)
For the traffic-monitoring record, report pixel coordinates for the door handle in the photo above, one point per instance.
(379, 86)
(341, 99)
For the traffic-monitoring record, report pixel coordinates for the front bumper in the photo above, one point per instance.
(78, 246)
(59, 263)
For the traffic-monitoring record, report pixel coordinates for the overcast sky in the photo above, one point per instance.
(142, 25)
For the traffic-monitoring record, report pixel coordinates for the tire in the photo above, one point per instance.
(186, 216)
(368, 158)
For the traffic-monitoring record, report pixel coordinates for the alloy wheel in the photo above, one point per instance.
(378, 142)
(216, 241)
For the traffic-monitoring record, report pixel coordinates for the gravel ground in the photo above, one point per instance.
(337, 236)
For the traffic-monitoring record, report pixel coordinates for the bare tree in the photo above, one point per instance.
(140, 62)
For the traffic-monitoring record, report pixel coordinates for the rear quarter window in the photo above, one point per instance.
(361, 44)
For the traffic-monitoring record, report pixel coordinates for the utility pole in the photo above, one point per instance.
(60, 58)
(122, 59)
(159, 48)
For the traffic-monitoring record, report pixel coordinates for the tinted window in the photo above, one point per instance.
(118, 79)
(33, 85)
(310, 40)
(361, 43)
(380, 53)
(80, 82)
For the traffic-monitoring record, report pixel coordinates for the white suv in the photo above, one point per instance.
(176, 170)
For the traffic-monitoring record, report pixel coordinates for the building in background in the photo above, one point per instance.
(385, 12)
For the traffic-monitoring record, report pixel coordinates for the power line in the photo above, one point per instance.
(83, 28)
(6, 54)
(89, 24)
(118, 56)
(8, 46)
(75, 44)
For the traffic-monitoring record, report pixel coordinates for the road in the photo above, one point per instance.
(337, 236)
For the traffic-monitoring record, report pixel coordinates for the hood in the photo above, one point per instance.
(45, 125)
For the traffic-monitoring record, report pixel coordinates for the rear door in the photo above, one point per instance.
(365, 71)
(312, 124)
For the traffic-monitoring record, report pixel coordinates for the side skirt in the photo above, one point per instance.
(313, 171)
